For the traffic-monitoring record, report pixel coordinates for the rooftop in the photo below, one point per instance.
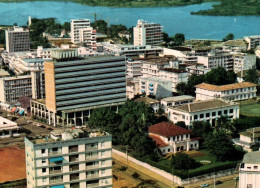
(204, 105)
(158, 140)
(147, 100)
(6, 124)
(252, 133)
(173, 70)
(67, 134)
(155, 79)
(3, 73)
(225, 87)
(178, 98)
(167, 129)
(252, 158)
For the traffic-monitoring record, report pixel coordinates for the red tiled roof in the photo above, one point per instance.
(167, 129)
(158, 140)
(225, 87)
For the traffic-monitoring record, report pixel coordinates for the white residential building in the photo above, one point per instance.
(133, 68)
(146, 33)
(197, 69)
(237, 91)
(249, 171)
(171, 138)
(253, 41)
(69, 159)
(158, 87)
(82, 32)
(132, 88)
(17, 40)
(244, 62)
(248, 138)
(8, 128)
(176, 101)
(209, 110)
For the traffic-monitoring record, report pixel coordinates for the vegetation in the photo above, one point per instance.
(2, 37)
(177, 40)
(233, 8)
(252, 76)
(218, 76)
(230, 36)
(182, 161)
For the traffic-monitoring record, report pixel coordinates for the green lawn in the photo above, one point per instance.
(250, 108)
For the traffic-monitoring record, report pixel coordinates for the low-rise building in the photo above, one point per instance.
(209, 111)
(171, 138)
(155, 104)
(249, 170)
(244, 62)
(8, 128)
(70, 158)
(197, 69)
(248, 138)
(237, 91)
(253, 41)
(175, 101)
(158, 87)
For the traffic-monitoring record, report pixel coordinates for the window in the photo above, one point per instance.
(213, 113)
(207, 114)
(43, 170)
(183, 116)
(54, 149)
(201, 115)
(43, 161)
(169, 138)
(231, 111)
(103, 163)
(219, 113)
(225, 111)
(103, 171)
(249, 186)
(43, 151)
(195, 117)
(255, 167)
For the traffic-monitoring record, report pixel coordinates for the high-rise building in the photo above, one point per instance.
(77, 85)
(17, 40)
(82, 32)
(70, 158)
(146, 33)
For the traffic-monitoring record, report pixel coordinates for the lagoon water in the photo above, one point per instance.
(174, 19)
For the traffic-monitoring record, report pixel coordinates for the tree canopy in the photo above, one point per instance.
(252, 76)
(182, 161)
(220, 76)
(229, 36)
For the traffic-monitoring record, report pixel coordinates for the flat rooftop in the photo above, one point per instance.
(67, 135)
(178, 98)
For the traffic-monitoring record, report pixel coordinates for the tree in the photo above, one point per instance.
(230, 36)
(66, 26)
(220, 76)
(221, 147)
(181, 88)
(182, 161)
(224, 124)
(100, 26)
(181, 124)
(179, 39)
(201, 129)
(252, 76)
(192, 82)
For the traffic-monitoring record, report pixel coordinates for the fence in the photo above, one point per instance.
(173, 178)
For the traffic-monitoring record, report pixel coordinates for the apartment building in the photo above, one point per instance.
(146, 33)
(12, 88)
(176, 101)
(133, 68)
(197, 69)
(8, 128)
(132, 50)
(17, 40)
(77, 85)
(249, 176)
(236, 46)
(244, 62)
(69, 159)
(217, 59)
(171, 138)
(237, 91)
(82, 32)
(248, 138)
(158, 87)
(253, 41)
(209, 111)
(132, 88)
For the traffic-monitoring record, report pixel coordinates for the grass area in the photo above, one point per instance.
(250, 108)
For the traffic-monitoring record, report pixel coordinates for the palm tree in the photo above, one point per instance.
(223, 124)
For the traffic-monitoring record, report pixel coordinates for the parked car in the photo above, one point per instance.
(218, 182)
(204, 185)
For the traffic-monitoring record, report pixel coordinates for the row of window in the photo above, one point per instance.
(212, 114)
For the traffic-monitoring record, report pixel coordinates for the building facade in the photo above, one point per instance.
(249, 176)
(146, 33)
(12, 88)
(244, 62)
(253, 41)
(171, 138)
(237, 91)
(17, 40)
(176, 101)
(69, 159)
(208, 111)
(77, 85)
(8, 128)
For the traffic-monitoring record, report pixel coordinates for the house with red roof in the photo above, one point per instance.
(171, 138)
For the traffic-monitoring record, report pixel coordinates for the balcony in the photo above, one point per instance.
(92, 185)
(55, 171)
(92, 176)
(93, 157)
(73, 149)
(92, 167)
(60, 180)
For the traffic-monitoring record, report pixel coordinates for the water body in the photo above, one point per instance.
(174, 19)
